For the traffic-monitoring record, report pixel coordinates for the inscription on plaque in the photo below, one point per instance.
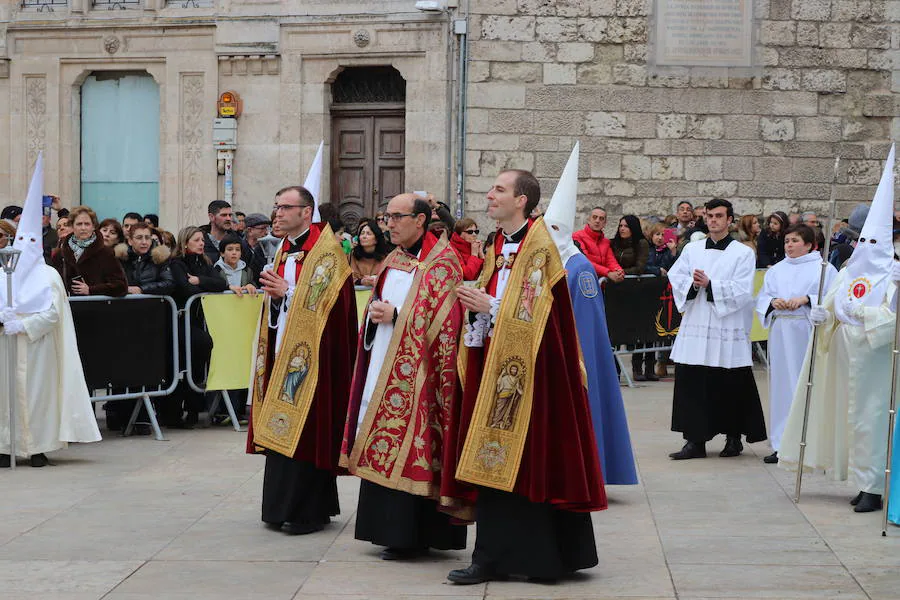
(703, 33)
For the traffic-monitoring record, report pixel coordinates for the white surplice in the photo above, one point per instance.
(717, 333)
(396, 288)
(789, 330)
(53, 406)
(848, 414)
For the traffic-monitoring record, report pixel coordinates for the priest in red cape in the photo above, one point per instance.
(302, 365)
(403, 391)
(525, 442)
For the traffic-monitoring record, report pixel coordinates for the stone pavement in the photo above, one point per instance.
(135, 519)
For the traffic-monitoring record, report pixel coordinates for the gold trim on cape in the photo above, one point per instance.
(279, 417)
(500, 420)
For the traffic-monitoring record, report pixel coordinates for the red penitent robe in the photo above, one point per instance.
(560, 463)
(320, 442)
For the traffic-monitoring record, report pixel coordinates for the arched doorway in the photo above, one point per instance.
(120, 143)
(368, 148)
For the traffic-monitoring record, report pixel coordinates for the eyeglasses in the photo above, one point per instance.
(281, 207)
(396, 216)
(473, 231)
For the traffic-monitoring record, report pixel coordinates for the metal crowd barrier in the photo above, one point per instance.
(143, 394)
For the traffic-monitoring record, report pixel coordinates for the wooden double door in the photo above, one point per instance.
(368, 158)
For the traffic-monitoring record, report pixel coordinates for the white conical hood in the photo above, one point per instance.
(31, 288)
(560, 215)
(868, 270)
(313, 181)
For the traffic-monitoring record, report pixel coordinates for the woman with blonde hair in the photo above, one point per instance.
(88, 267)
(748, 231)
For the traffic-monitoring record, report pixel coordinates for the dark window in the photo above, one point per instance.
(368, 84)
(43, 5)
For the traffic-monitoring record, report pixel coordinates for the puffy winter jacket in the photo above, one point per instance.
(151, 271)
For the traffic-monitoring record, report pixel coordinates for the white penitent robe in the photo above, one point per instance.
(396, 288)
(848, 413)
(789, 330)
(714, 333)
(53, 406)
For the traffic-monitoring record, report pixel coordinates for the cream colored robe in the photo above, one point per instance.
(848, 416)
(53, 406)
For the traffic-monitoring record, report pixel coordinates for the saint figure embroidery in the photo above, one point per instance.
(532, 287)
(510, 388)
(260, 368)
(298, 369)
(319, 281)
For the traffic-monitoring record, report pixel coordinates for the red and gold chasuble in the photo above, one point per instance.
(400, 443)
(284, 387)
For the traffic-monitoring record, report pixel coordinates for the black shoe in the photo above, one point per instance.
(689, 450)
(856, 499)
(771, 459)
(473, 574)
(733, 447)
(649, 375)
(402, 553)
(191, 419)
(302, 528)
(180, 425)
(637, 376)
(868, 503)
(39, 460)
(4, 461)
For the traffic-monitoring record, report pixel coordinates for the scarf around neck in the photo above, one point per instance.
(78, 246)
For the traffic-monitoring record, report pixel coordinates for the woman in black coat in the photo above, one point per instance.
(770, 244)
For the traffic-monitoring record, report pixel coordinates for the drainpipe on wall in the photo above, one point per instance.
(461, 29)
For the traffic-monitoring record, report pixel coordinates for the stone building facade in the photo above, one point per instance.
(541, 74)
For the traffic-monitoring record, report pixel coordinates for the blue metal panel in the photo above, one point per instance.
(120, 144)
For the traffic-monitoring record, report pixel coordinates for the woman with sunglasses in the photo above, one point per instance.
(468, 247)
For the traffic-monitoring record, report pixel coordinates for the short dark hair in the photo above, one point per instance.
(677, 206)
(228, 240)
(132, 215)
(305, 195)
(217, 206)
(63, 212)
(421, 207)
(805, 232)
(153, 219)
(718, 202)
(238, 213)
(526, 185)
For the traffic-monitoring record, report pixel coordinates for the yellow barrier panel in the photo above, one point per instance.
(758, 333)
(362, 299)
(231, 321)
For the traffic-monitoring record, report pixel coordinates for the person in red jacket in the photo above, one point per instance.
(468, 247)
(595, 246)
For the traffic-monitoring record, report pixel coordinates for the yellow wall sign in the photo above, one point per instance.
(229, 105)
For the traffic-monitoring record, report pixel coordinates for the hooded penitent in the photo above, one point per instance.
(313, 181)
(560, 215)
(869, 267)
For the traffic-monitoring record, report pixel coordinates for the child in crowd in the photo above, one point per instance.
(230, 266)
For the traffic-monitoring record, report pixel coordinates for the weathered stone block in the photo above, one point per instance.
(835, 35)
(575, 52)
(675, 77)
(781, 79)
(807, 191)
(819, 129)
(593, 30)
(608, 124)
(805, 57)
(761, 189)
(511, 121)
(520, 71)
(537, 7)
(624, 146)
(636, 167)
(733, 147)
(619, 187)
(717, 189)
(640, 125)
(556, 29)
(686, 147)
(520, 29)
(492, 141)
(811, 10)
(703, 168)
(667, 167)
(658, 147)
(807, 33)
(871, 36)
(635, 53)
(542, 143)
(594, 74)
(780, 9)
(865, 129)
(810, 149)
(737, 168)
(772, 168)
(778, 33)
(657, 189)
(882, 105)
(632, 8)
(538, 52)
(559, 74)
(852, 10)
(629, 74)
(850, 58)
(741, 127)
(705, 127)
(622, 30)
(479, 70)
(602, 8)
(605, 166)
(671, 126)
(824, 80)
(497, 95)
(573, 8)
(884, 60)
(493, 162)
(495, 51)
(775, 129)
(473, 162)
(543, 98)
(814, 170)
(558, 122)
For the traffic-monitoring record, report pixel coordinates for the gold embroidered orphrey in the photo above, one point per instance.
(279, 418)
(496, 438)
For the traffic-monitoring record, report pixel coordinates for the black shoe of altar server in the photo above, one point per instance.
(856, 499)
(771, 459)
(402, 553)
(4, 461)
(302, 528)
(473, 574)
(690, 450)
(39, 460)
(733, 447)
(868, 503)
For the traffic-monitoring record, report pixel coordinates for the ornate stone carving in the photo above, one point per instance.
(35, 116)
(362, 38)
(4, 68)
(192, 141)
(112, 44)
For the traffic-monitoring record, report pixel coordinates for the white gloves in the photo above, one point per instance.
(818, 314)
(857, 310)
(895, 272)
(13, 327)
(7, 314)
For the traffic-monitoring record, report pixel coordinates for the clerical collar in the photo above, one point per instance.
(517, 236)
(297, 241)
(720, 245)
(416, 247)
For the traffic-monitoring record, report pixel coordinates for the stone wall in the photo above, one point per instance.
(547, 72)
